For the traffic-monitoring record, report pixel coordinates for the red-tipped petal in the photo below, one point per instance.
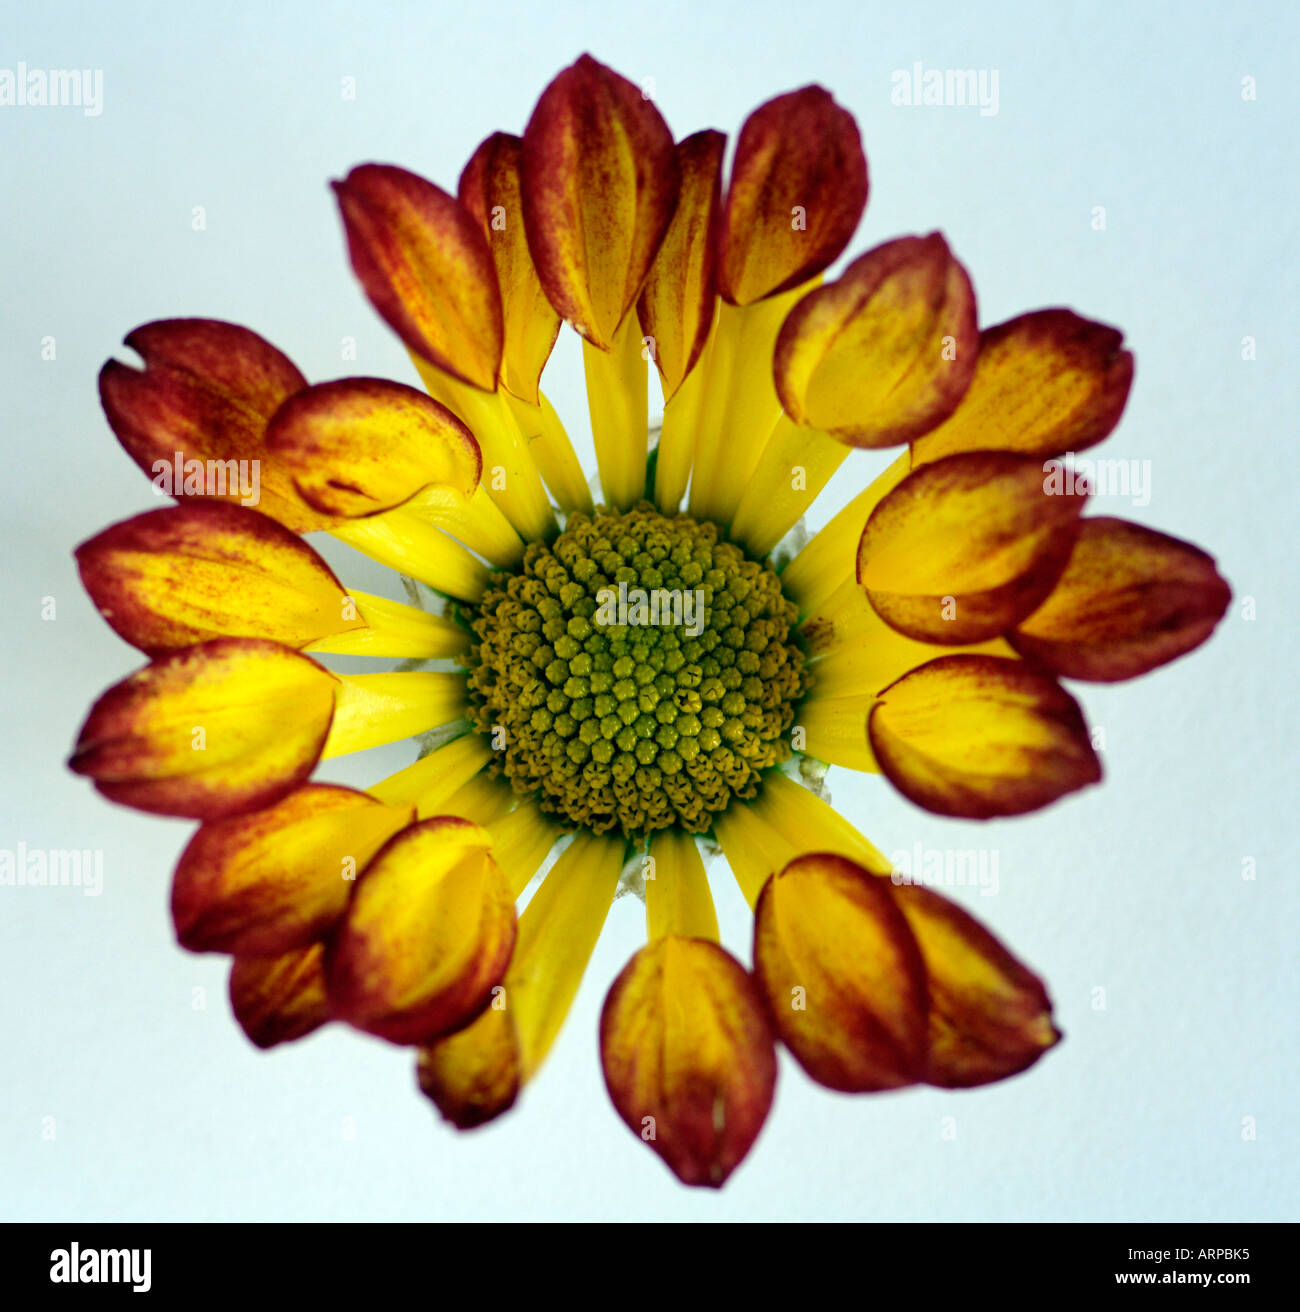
(278, 878)
(280, 999)
(491, 189)
(209, 731)
(206, 569)
(842, 974)
(600, 179)
(798, 189)
(474, 1075)
(423, 261)
(1130, 599)
(885, 352)
(963, 549)
(1046, 383)
(680, 296)
(359, 446)
(979, 736)
(990, 1016)
(194, 417)
(427, 937)
(688, 1056)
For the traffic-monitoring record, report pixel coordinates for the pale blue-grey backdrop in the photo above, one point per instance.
(128, 1091)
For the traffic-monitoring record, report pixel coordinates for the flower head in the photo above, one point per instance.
(605, 681)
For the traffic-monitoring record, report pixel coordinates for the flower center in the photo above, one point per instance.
(635, 673)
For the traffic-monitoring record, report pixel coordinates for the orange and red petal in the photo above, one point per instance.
(842, 974)
(798, 188)
(688, 1056)
(201, 401)
(360, 446)
(1130, 599)
(424, 262)
(279, 878)
(474, 1075)
(600, 184)
(990, 1016)
(886, 351)
(963, 549)
(1046, 383)
(207, 569)
(427, 936)
(680, 297)
(491, 189)
(981, 736)
(280, 999)
(210, 731)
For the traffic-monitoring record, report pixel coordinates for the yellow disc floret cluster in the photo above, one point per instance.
(636, 673)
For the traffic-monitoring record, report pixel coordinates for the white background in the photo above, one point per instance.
(163, 1110)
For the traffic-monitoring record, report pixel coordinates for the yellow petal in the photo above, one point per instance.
(836, 732)
(373, 709)
(855, 653)
(520, 843)
(476, 1074)
(828, 560)
(809, 824)
(473, 1076)
(483, 800)
(510, 473)
(429, 782)
(423, 551)
(557, 932)
(475, 520)
(394, 629)
(675, 453)
(553, 452)
(750, 847)
(785, 820)
(677, 897)
(739, 405)
(795, 465)
(619, 405)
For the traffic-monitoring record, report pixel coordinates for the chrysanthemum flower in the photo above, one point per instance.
(622, 681)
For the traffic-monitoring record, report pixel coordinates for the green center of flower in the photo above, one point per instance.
(635, 673)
